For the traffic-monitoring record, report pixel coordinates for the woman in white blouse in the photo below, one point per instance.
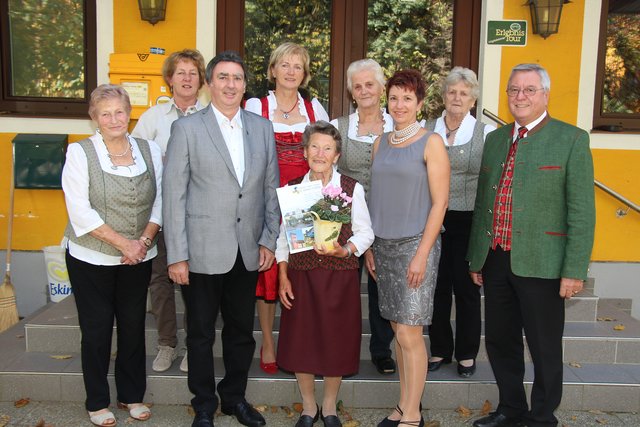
(112, 188)
(290, 114)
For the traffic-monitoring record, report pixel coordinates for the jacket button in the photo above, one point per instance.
(495, 187)
(489, 210)
(238, 219)
(240, 196)
(489, 233)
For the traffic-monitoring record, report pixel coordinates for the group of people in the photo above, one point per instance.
(438, 208)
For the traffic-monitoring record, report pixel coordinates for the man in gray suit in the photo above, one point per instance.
(222, 221)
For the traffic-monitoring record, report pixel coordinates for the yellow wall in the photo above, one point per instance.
(617, 238)
(176, 32)
(39, 215)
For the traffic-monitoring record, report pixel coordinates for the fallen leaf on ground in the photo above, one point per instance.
(288, 411)
(351, 423)
(432, 423)
(297, 406)
(261, 408)
(464, 411)
(601, 421)
(60, 356)
(22, 402)
(605, 319)
(4, 420)
(486, 408)
(191, 411)
(342, 411)
(574, 417)
(274, 409)
(575, 365)
(20, 336)
(618, 328)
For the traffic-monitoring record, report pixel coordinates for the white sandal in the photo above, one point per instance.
(139, 412)
(100, 419)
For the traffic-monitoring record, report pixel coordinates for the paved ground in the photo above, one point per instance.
(57, 414)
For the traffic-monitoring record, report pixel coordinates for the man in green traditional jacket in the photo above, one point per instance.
(530, 245)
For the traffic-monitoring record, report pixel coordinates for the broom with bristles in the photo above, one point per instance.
(8, 308)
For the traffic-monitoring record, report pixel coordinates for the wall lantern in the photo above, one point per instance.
(152, 10)
(545, 16)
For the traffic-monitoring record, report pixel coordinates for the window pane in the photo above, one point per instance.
(47, 48)
(413, 34)
(268, 23)
(622, 63)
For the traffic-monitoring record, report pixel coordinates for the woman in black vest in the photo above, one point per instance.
(320, 326)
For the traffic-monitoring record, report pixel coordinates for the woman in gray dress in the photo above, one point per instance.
(407, 202)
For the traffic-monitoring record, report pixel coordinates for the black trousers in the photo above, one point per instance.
(454, 279)
(381, 332)
(514, 303)
(103, 293)
(233, 294)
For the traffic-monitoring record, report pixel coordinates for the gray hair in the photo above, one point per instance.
(324, 128)
(464, 75)
(105, 92)
(545, 80)
(365, 65)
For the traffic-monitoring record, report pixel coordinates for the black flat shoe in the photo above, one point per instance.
(330, 420)
(384, 365)
(245, 414)
(466, 371)
(202, 419)
(308, 420)
(496, 419)
(434, 366)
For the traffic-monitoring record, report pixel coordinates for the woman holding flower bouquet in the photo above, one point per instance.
(408, 200)
(320, 325)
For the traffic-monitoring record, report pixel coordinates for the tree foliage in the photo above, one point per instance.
(622, 65)
(47, 48)
(413, 34)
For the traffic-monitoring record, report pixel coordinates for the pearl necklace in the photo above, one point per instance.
(400, 136)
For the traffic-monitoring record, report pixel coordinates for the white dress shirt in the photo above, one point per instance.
(360, 222)
(232, 134)
(464, 133)
(75, 183)
(155, 123)
(530, 126)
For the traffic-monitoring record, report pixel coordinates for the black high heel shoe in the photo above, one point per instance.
(308, 420)
(386, 422)
(413, 423)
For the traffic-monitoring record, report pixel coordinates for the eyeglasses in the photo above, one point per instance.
(512, 92)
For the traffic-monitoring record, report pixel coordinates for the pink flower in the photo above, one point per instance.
(334, 208)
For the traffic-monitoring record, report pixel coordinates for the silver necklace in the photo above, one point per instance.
(400, 136)
(124, 153)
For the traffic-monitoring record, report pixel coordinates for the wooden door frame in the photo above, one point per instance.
(349, 26)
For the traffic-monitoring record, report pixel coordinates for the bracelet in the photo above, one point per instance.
(349, 252)
(146, 241)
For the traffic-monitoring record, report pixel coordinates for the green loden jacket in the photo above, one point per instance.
(553, 201)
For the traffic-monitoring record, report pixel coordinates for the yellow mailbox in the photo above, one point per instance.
(141, 75)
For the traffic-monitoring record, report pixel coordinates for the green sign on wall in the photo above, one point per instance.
(507, 33)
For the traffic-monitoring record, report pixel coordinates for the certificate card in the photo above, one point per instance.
(295, 201)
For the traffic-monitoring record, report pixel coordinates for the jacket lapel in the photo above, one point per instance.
(215, 135)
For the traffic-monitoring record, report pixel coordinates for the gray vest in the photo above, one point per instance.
(465, 166)
(355, 159)
(123, 203)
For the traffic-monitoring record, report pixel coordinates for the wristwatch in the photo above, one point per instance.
(146, 240)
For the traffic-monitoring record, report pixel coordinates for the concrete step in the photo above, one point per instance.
(56, 330)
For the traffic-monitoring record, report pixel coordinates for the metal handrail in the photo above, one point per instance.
(609, 191)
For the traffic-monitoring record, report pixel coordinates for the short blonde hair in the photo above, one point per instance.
(290, 49)
(106, 92)
(188, 55)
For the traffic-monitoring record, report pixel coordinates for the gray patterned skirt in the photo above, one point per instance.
(398, 302)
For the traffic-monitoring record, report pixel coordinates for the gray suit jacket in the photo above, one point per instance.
(207, 215)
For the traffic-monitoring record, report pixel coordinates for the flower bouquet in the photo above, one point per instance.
(330, 212)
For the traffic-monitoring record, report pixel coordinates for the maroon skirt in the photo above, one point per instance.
(321, 332)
